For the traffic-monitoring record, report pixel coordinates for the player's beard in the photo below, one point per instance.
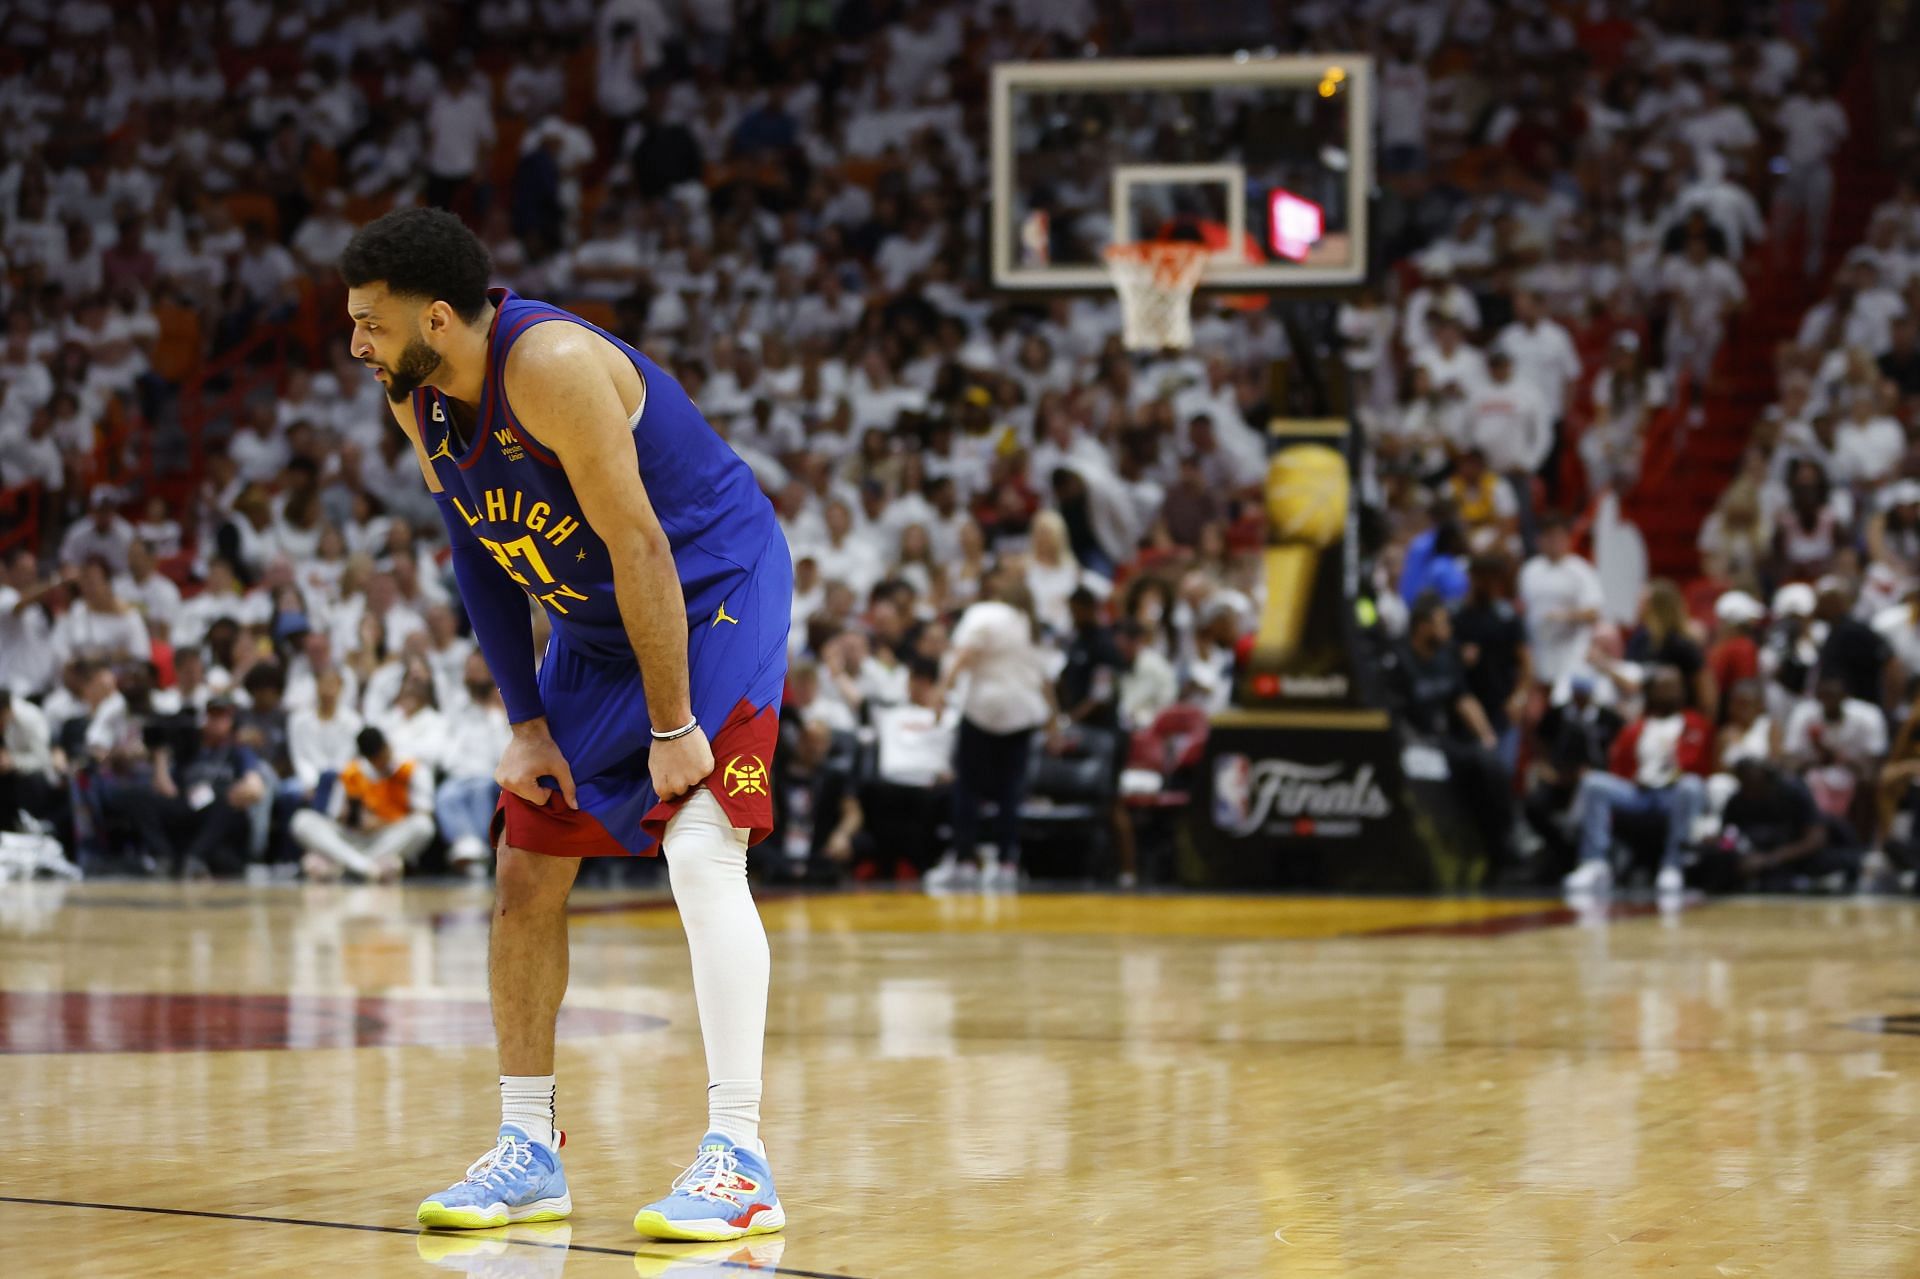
(418, 362)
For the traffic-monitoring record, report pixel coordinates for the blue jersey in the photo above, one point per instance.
(515, 497)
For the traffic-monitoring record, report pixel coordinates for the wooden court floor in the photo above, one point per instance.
(265, 1080)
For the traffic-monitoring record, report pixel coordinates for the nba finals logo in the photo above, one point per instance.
(745, 775)
(1312, 798)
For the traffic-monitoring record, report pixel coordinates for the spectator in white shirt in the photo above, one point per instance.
(1625, 393)
(1053, 574)
(1440, 295)
(1868, 446)
(148, 589)
(314, 658)
(1542, 350)
(158, 531)
(908, 799)
(191, 691)
(1509, 421)
(610, 263)
(259, 452)
(1457, 368)
(1703, 290)
(465, 801)
(1726, 204)
(28, 782)
(1839, 741)
(1403, 110)
(320, 738)
(324, 235)
(446, 651)
(1147, 683)
(1895, 262)
(412, 720)
(907, 253)
(1007, 697)
(34, 457)
(28, 381)
(1560, 595)
(537, 84)
(1720, 131)
(1366, 328)
(846, 556)
(99, 625)
(266, 273)
(459, 133)
(1814, 125)
(27, 662)
(1857, 313)
(629, 41)
(222, 597)
(102, 535)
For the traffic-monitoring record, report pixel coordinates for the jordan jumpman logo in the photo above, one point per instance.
(442, 449)
(721, 616)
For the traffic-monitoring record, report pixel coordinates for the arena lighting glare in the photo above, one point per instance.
(1294, 225)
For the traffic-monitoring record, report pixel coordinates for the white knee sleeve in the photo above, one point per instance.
(707, 866)
(700, 841)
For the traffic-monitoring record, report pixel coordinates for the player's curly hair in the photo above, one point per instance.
(421, 253)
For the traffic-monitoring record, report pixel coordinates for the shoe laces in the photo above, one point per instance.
(500, 1164)
(712, 1172)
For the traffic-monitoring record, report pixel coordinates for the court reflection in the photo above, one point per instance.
(537, 1250)
(715, 1260)
(1732, 1088)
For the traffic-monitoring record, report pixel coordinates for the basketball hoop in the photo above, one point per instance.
(1155, 280)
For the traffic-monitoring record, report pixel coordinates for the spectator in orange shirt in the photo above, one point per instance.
(374, 822)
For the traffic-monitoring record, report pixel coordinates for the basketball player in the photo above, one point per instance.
(570, 469)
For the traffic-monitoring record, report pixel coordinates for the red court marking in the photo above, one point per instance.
(761, 897)
(1500, 925)
(79, 1022)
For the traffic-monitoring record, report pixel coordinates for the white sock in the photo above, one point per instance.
(707, 866)
(526, 1101)
(733, 1110)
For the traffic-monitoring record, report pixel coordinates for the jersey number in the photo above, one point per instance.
(524, 548)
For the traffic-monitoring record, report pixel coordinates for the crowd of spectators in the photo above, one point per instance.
(1753, 728)
(779, 202)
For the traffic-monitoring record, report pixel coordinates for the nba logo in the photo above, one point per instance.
(1232, 791)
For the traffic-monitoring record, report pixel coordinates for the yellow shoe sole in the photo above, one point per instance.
(440, 1217)
(656, 1225)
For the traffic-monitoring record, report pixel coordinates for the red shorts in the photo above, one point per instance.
(741, 780)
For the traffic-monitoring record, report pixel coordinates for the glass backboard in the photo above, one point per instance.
(1266, 160)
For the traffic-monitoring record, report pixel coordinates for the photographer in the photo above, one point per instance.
(194, 817)
(1773, 836)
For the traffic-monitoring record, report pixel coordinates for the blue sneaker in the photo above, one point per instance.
(726, 1194)
(518, 1180)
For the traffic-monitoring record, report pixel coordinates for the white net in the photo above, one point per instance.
(1155, 280)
